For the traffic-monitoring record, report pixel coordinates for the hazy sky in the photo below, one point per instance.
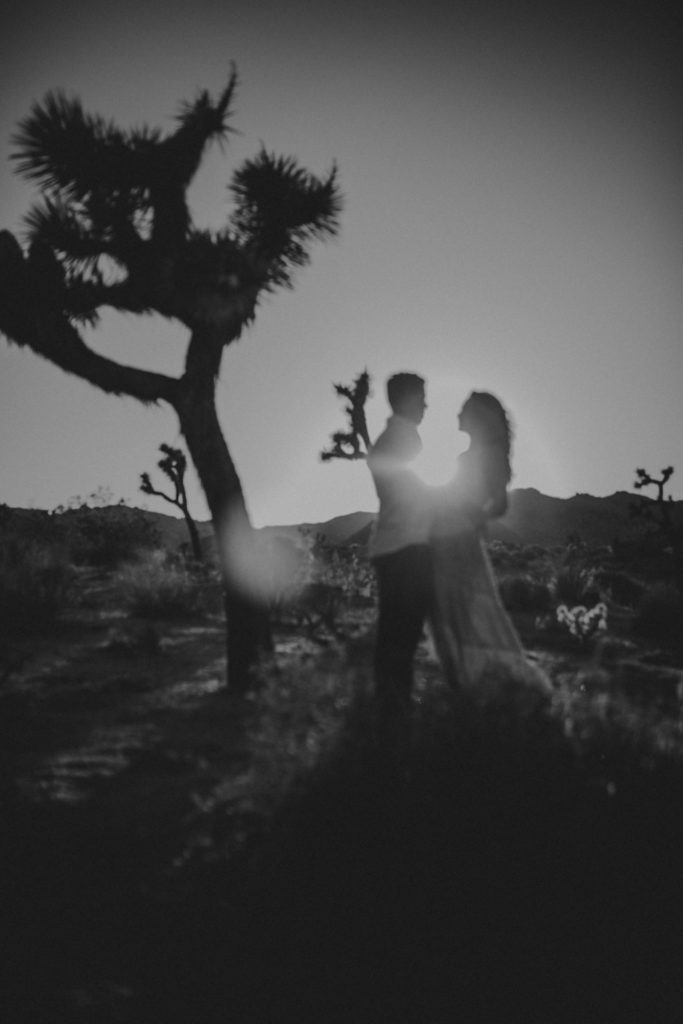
(513, 222)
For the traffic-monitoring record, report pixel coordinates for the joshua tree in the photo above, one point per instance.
(663, 515)
(173, 465)
(346, 444)
(113, 228)
(663, 503)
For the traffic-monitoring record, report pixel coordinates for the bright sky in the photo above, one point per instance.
(513, 222)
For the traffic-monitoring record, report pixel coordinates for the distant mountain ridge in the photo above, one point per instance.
(536, 518)
(532, 518)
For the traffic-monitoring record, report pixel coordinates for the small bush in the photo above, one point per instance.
(575, 584)
(501, 554)
(158, 586)
(35, 582)
(345, 566)
(583, 624)
(524, 594)
(104, 536)
(514, 556)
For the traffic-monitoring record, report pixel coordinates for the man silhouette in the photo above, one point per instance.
(399, 547)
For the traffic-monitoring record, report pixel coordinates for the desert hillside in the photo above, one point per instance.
(533, 518)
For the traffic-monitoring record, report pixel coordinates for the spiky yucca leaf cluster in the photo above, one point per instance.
(113, 225)
(90, 167)
(280, 208)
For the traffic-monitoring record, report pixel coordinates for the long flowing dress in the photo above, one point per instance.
(474, 636)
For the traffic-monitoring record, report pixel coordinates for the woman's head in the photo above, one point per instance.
(484, 419)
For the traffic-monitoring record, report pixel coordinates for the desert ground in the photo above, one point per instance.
(174, 852)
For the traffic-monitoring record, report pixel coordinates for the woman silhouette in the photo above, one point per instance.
(476, 641)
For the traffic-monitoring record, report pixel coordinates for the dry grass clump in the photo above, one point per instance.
(157, 585)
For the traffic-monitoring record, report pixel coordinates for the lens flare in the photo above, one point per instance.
(260, 565)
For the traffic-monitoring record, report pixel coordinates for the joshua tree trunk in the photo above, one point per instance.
(246, 627)
(195, 541)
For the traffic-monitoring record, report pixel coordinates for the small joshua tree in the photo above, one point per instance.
(662, 513)
(113, 228)
(353, 443)
(173, 465)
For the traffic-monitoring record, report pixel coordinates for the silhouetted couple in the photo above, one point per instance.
(429, 553)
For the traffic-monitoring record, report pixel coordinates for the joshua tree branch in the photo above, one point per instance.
(57, 340)
(645, 480)
(146, 488)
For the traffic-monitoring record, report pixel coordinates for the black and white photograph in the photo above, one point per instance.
(341, 512)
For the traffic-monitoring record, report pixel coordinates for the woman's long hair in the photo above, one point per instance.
(489, 423)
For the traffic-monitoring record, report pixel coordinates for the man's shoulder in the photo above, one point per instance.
(384, 441)
(397, 434)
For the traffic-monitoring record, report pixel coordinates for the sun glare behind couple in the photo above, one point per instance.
(443, 441)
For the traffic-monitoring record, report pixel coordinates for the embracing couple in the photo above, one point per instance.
(429, 553)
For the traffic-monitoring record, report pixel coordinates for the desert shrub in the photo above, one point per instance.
(35, 582)
(575, 584)
(524, 593)
(534, 553)
(160, 586)
(26, 525)
(660, 612)
(501, 554)
(513, 556)
(104, 536)
(315, 604)
(345, 565)
(583, 624)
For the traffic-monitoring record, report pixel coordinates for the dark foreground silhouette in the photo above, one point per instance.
(497, 874)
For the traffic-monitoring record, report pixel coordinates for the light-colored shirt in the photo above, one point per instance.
(404, 515)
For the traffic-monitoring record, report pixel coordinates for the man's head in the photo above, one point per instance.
(406, 394)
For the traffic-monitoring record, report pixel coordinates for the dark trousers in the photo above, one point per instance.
(405, 588)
